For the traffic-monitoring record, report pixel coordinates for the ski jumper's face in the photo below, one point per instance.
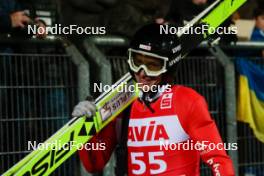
(145, 80)
(141, 77)
(153, 64)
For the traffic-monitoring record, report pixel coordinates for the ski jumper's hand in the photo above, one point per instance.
(86, 108)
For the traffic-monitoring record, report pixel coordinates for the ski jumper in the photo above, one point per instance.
(162, 142)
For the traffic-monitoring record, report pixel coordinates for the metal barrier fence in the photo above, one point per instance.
(37, 93)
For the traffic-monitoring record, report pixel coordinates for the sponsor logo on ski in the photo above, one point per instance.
(112, 106)
(55, 155)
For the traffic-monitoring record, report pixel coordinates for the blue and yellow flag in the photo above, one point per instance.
(251, 96)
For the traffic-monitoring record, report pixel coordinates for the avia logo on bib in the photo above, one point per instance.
(150, 131)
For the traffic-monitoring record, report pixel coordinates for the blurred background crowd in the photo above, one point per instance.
(119, 17)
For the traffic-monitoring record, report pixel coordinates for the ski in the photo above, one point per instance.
(80, 130)
(77, 131)
(211, 18)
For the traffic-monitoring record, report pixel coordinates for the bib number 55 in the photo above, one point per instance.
(137, 158)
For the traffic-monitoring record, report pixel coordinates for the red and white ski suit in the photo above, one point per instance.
(156, 139)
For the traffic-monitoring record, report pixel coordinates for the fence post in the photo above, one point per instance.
(103, 69)
(83, 80)
(230, 100)
(102, 64)
(83, 71)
